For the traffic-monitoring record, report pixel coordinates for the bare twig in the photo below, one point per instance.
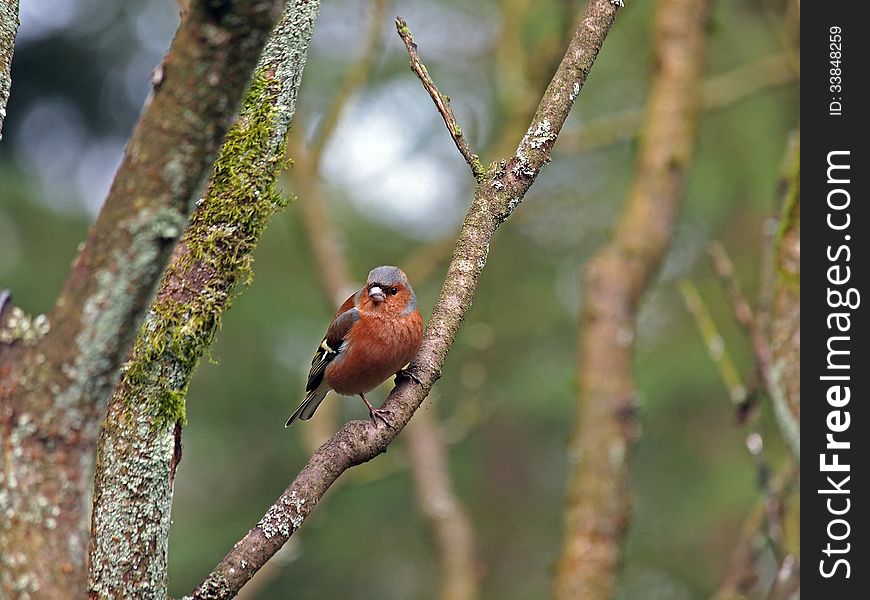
(598, 510)
(761, 349)
(442, 102)
(725, 271)
(494, 200)
(140, 442)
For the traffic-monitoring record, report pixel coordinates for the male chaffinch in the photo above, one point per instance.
(372, 336)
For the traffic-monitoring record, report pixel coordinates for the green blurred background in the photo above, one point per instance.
(395, 184)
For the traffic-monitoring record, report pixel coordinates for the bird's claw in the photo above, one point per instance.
(380, 413)
(406, 374)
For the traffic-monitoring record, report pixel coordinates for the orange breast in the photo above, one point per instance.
(376, 349)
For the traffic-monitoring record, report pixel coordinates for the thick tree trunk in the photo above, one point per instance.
(140, 445)
(53, 389)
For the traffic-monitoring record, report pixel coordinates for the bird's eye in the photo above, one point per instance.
(394, 291)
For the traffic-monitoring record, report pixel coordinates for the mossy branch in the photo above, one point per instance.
(139, 445)
(495, 198)
(214, 257)
(54, 391)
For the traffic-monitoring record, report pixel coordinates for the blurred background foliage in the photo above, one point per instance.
(395, 186)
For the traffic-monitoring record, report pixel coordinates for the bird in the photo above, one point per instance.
(374, 333)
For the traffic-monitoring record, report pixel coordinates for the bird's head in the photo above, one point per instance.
(387, 292)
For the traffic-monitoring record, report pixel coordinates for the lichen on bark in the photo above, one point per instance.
(212, 258)
(53, 392)
(139, 445)
(8, 29)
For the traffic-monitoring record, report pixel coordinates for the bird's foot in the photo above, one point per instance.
(380, 413)
(377, 413)
(406, 374)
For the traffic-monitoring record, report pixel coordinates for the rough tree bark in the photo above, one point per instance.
(53, 389)
(139, 445)
(8, 31)
(501, 189)
(598, 507)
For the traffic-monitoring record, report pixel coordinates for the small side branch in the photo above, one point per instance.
(744, 314)
(442, 101)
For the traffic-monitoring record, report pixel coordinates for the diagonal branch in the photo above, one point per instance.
(739, 303)
(442, 101)
(442, 509)
(140, 442)
(495, 198)
(598, 509)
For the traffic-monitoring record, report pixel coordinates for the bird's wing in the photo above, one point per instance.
(347, 304)
(330, 346)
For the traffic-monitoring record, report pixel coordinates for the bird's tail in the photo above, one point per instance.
(312, 400)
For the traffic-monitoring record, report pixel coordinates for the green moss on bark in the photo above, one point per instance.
(214, 256)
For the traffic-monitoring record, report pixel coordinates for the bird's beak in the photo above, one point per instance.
(377, 294)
